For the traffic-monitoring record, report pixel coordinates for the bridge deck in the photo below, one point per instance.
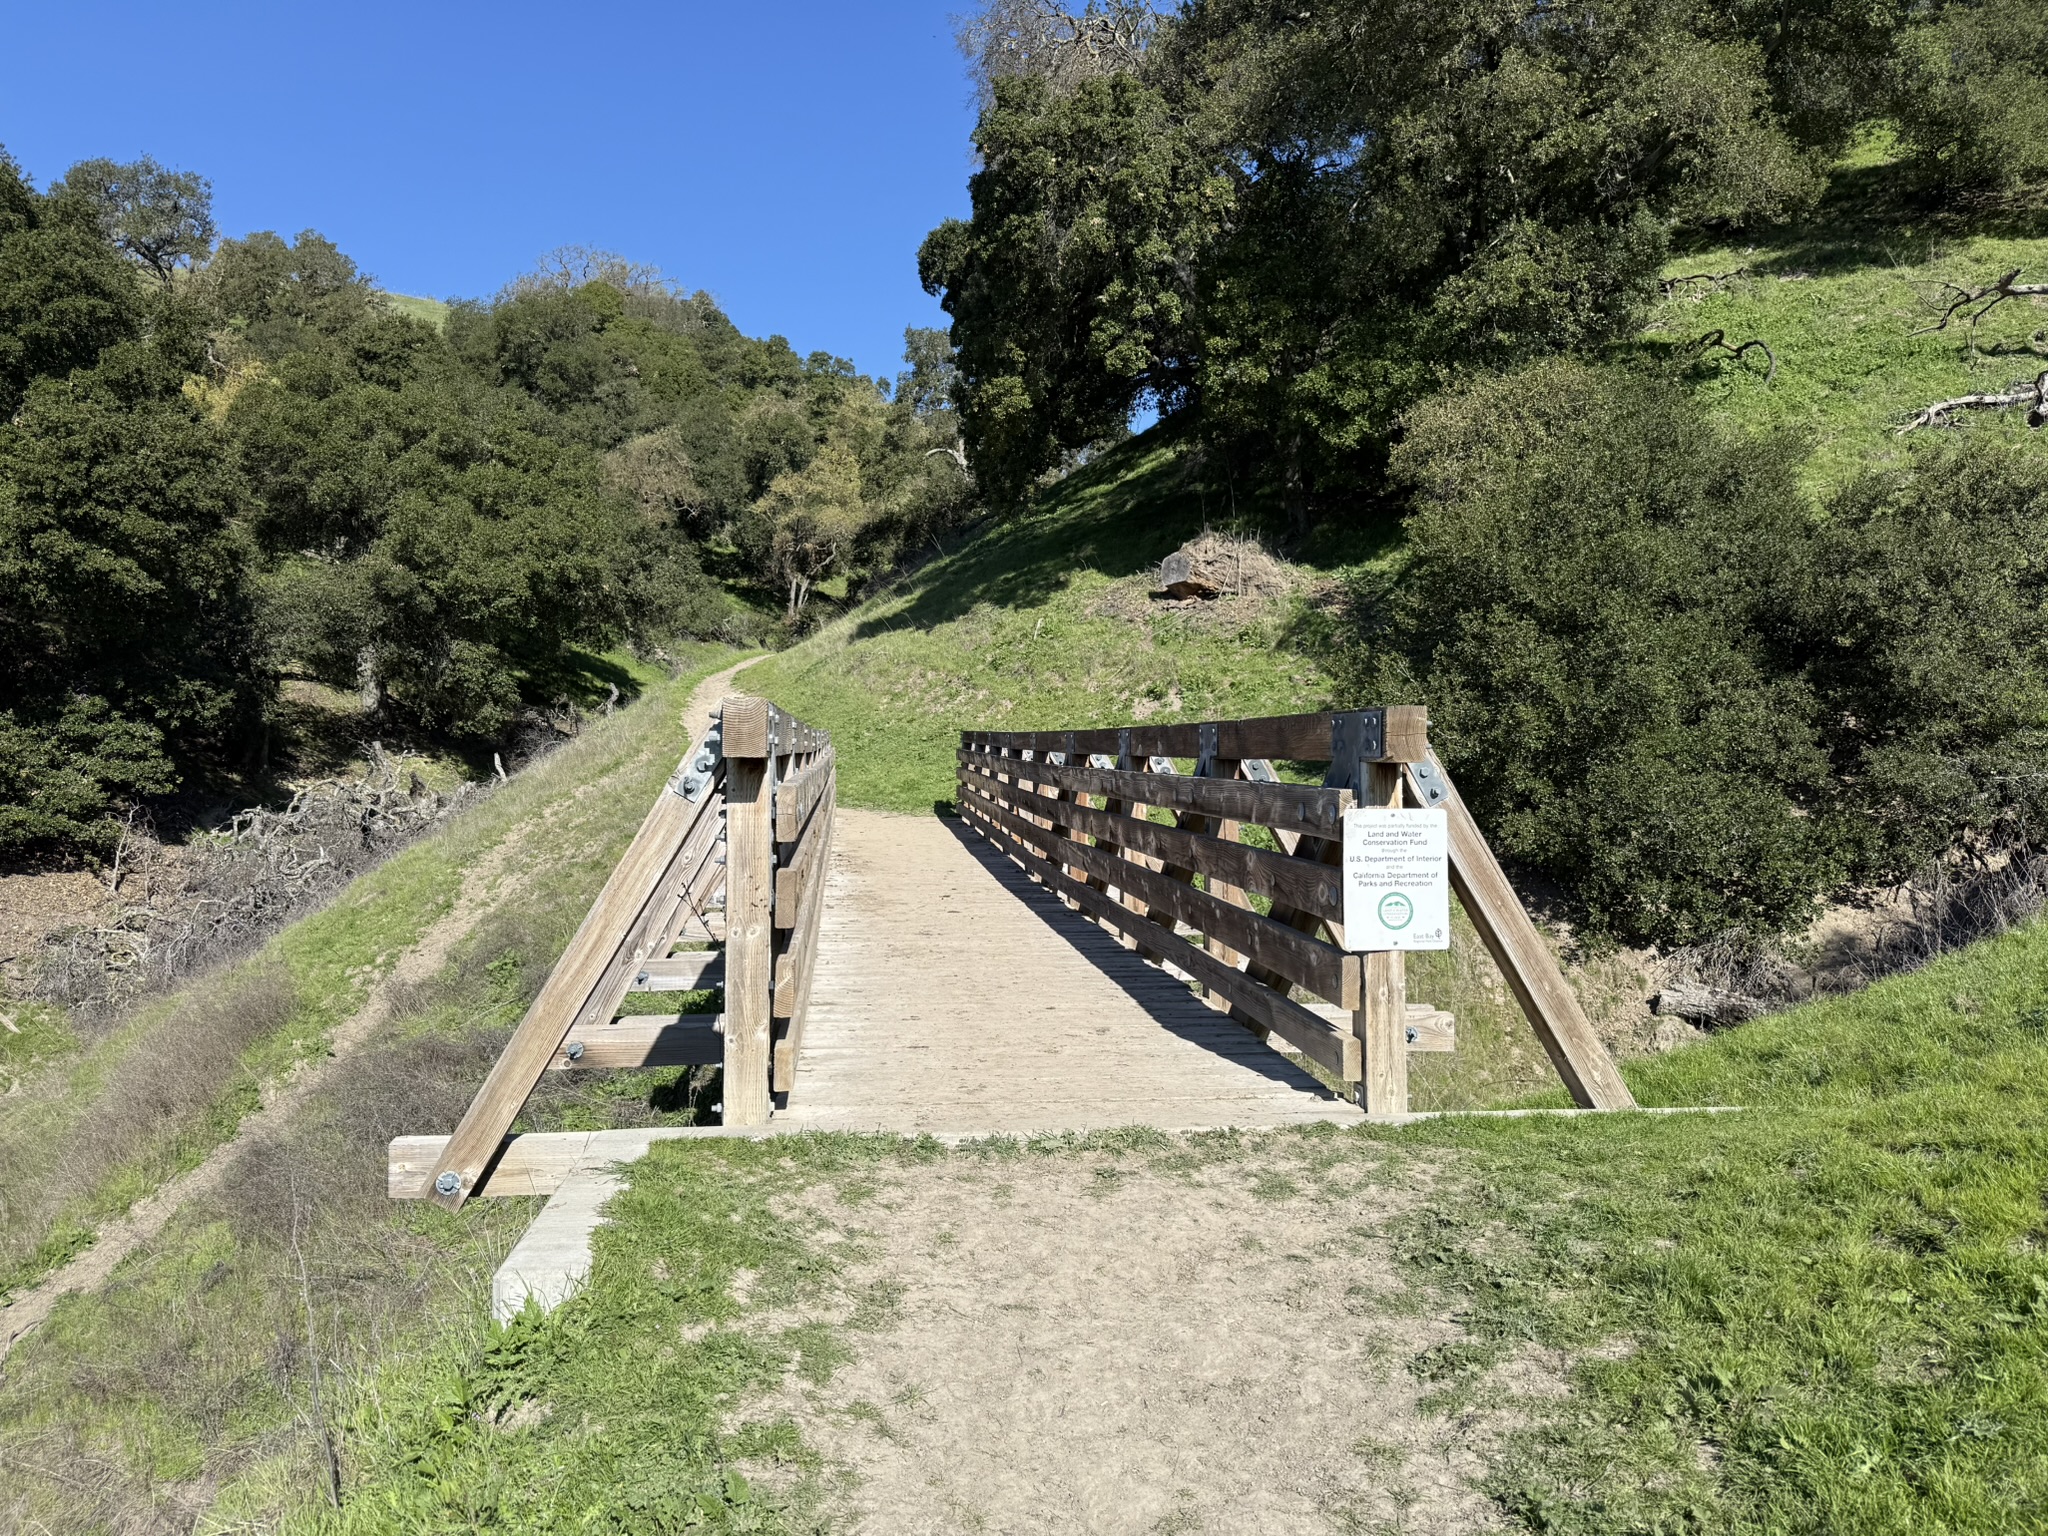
(954, 995)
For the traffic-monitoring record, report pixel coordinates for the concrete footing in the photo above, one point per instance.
(551, 1262)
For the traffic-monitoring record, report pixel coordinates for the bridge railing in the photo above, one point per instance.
(747, 817)
(1074, 808)
(781, 778)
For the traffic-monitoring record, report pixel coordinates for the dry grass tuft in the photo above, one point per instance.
(58, 1153)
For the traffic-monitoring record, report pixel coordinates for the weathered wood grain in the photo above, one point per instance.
(1323, 969)
(797, 799)
(597, 942)
(953, 996)
(749, 915)
(681, 973)
(644, 1040)
(1304, 808)
(1382, 1022)
(1331, 1046)
(1311, 887)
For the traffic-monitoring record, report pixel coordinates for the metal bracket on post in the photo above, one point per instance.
(1207, 740)
(693, 775)
(1071, 758)
(1123, 747)
(1356, 736)
(1430, 780)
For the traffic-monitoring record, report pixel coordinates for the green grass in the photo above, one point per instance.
(190, 1363)
(433, 311)
(1825, 1314)
(1828, 1313)
(1838, 298)
(65, 1172)
(492, 1431)
(1035, 623)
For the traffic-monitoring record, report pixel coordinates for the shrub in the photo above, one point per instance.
(1695, 702)
(1923, 625)
(1587, 613)
(61, 780)
(1973, 95)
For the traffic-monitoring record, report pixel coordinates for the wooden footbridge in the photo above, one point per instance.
(1133, 926)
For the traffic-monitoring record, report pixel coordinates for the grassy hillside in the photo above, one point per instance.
(94, 1124)
(1043, 621)
(1838, 299)
(188, 1373)
(433, 311)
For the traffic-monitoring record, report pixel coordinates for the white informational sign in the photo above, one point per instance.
(1397, 879)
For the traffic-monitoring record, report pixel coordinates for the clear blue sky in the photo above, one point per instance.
(786, 156)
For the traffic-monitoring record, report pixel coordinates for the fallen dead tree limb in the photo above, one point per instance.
(1717, 341)
(1710, 280)
(175, 913)
(2032, 395)
(1973, 304)
(1700, 1004)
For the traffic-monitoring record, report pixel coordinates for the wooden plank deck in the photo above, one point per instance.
(954, 996)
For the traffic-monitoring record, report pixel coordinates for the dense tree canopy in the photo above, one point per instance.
(125, 611)
(1292, 222)
(222, 466)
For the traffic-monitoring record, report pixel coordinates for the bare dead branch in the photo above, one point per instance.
(175, 912)
(1061, 46)
(1973, 304)
(1717, 341)
(2033, 395)
(1711, 280)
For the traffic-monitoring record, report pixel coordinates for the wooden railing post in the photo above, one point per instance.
(1382, 1024)
(749, 909)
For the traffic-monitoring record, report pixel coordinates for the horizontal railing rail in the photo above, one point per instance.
(747, 818)
(1109, 820)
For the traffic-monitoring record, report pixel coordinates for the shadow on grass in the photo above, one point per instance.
(1118, 515)
(1875, 215)
(583, 678)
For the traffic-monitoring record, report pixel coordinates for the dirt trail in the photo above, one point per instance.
(484, 884)
(1080, 1344)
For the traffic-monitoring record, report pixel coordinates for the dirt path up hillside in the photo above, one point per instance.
(484, 884)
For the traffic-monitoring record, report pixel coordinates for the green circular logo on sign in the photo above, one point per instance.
(1396, 910)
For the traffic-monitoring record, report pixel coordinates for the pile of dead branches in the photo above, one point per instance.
(1957, 900)
(175, 911)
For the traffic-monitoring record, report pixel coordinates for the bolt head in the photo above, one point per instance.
(448, 1183)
